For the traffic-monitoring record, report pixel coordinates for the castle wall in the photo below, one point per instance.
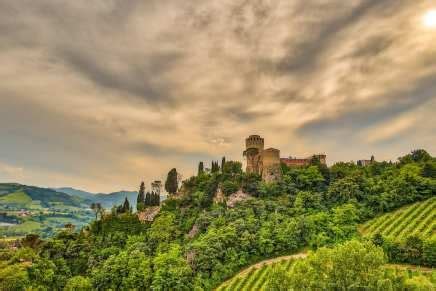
(267, 163)
(271, 170)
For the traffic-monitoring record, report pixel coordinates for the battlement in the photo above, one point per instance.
(254, 141)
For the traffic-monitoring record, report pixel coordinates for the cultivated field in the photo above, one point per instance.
(255, 277)
(416, 219)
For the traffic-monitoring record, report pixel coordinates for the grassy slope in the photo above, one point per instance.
(28, 227)
(18, 197)
(29, 196)
(415, 219)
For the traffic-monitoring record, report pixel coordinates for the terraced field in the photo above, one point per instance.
(417, 219)
(255, 277)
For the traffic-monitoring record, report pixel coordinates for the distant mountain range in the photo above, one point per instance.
(31, 197)
(106, 200)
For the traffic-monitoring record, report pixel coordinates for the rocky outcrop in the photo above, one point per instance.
(148, 214)
(237, 197)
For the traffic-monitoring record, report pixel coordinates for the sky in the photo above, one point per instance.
(100, 95)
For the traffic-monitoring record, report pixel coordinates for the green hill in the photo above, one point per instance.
(22, 196)
(418, 219)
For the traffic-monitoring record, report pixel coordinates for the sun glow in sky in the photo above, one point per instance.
(429, 19)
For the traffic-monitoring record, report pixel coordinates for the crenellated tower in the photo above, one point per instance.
(254, 146)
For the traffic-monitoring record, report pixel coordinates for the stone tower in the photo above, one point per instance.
(254, 145)
(271, 170)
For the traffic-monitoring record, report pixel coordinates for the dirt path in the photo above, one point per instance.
(265, 263)
(410, 267)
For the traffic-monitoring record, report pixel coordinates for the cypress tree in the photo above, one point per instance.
(147, 199)
(141, 197)
(200, 168)
(156, 201)
(153, 198)
(126, 206)
(215, 166)
(223, 162)
(171, 184)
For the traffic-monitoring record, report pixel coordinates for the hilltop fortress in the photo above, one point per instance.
(266, 162)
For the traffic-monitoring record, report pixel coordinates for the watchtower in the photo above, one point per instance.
(254, 146)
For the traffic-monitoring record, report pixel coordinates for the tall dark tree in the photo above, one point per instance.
(155, 199)
(126, 205)
(223, 162)
(200, 168)
(147, 199)
(141, 197)
(215, 167)
(171, 184)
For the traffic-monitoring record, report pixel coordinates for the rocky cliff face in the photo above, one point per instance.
(148, 214)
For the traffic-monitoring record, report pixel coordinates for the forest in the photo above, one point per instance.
(197, 241)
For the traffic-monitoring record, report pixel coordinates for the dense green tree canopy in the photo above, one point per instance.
(199, 239)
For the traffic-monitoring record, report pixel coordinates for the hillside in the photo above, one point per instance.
(28, 209)
(418, 219)
(22, 196)
(197, 242)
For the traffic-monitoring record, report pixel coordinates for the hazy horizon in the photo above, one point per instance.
(101, 95)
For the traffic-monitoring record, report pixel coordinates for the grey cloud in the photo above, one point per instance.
(138, 80)
(326, 34)
(365, 115)
(173, 82)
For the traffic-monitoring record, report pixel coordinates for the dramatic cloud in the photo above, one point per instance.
(102, 94)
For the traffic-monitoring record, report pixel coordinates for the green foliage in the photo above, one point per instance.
(232, 168)
(229, 187)
(163, 230)
(419, 283)
(268, 189)
(13, 277)
(350, 265)
(171, 271)
(124, 271)
(307, 200)
(194, 243)
(416, 156)
(343, 190)
(78, 283)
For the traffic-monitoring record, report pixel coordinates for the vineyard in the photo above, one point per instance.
(254, 278)
(417, 219)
